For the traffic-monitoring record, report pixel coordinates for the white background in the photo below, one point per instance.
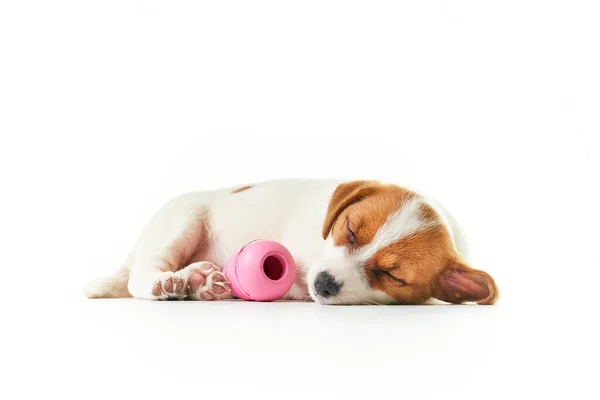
(108, 109)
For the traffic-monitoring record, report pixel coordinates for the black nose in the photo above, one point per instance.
(326, 285)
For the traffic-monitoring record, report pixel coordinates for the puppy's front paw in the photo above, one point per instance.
(207, 282)
(170, 285)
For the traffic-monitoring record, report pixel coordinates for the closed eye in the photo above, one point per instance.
(387, 274)
(351, 234)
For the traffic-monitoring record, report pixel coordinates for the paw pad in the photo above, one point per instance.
(207, 282)
(170, 286)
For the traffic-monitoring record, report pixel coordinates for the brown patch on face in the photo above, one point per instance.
(404, 270)
(357, 210)
(428, 214)
(344, 196)
(425, 265)
(238, 190)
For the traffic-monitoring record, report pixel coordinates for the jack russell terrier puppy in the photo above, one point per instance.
(357, 242)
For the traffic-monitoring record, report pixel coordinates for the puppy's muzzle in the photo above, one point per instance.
(326, 285)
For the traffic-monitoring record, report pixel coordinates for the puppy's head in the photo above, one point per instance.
(385, 245)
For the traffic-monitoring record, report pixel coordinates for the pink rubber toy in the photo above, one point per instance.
(263, 270)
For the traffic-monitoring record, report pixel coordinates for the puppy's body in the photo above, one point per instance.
(353, 242)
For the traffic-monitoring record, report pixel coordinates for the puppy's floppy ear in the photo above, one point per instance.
(345, 195)
(459, 283)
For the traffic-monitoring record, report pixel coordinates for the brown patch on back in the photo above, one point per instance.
(238, 190)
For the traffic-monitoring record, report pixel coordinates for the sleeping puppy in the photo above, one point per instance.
(357, 242)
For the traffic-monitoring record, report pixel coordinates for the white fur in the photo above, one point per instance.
(348, 269)
(289, 211)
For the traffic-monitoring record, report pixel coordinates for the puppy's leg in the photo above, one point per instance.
(175, 233)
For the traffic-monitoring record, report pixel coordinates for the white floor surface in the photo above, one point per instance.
(137, 349)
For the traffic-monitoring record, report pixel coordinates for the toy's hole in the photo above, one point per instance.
(273, 268)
